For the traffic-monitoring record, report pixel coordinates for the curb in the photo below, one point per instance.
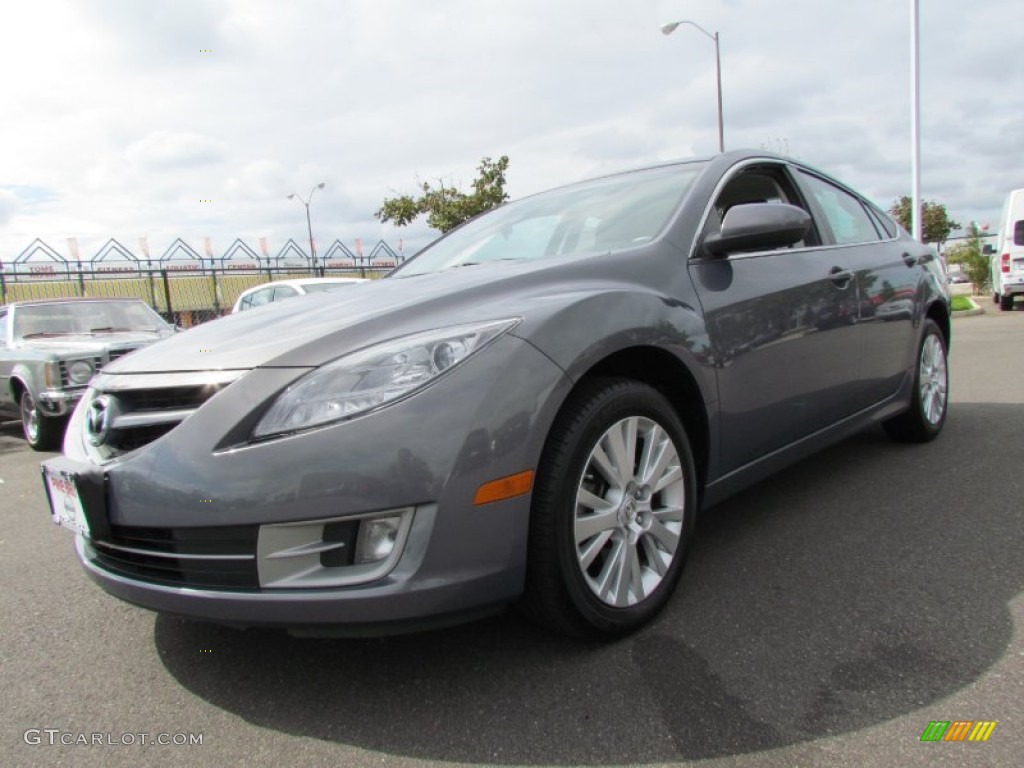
(976, 309)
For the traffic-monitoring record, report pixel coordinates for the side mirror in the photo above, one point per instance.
(987, 249)
(758, 226)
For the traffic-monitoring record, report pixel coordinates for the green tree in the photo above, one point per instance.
(935, 222)
(975, 264)
(445, 205)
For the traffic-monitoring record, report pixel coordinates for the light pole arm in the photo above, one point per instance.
(698, 26)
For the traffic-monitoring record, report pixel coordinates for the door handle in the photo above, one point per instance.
(841, 277)
(909, 260)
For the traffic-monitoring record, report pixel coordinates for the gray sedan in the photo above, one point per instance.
(531, 411)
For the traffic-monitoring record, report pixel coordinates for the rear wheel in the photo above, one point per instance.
(43, 433)
(613, 511)
(927, 413)
(1006, 303)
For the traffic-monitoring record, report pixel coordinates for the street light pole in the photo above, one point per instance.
(915, 125)
(309, 223)
(668, 29)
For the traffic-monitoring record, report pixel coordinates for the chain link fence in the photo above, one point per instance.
(184, 297)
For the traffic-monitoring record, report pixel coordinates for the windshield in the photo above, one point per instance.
(85, 317)
(596, 216)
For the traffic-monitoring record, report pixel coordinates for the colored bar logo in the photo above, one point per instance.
(959, 730)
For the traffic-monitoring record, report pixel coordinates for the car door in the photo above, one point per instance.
(782, 325)
(887, 272)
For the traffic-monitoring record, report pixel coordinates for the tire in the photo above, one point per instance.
(601, 508)
(1006, 303)
(43, 433)
(995, 297)
(927, 413)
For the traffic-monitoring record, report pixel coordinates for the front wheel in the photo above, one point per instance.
(613, 511)
(927, 413)
(43, 433)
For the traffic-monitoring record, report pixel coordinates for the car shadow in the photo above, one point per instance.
(861, 585)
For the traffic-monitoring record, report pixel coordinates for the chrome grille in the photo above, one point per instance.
(169, 399)
(97, 362)
(114, 354)
(126, 412)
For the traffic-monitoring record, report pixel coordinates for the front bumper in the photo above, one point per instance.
(1013, 288)
(59, 402)
(407, 598)
(428, 454)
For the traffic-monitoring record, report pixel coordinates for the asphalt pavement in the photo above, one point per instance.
(826, 617)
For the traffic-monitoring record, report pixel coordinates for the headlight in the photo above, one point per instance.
(375, 376)
(79, 371)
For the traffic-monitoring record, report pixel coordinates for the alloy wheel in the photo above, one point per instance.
(932, 380)
(630, 503)
(30, 417)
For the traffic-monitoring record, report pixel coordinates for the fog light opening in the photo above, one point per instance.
(376, 539)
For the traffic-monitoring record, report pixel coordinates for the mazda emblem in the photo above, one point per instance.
(98, 418)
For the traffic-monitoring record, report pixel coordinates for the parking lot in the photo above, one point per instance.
(827, 615)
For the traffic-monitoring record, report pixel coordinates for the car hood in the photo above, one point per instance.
(311, 330)
(88, 344)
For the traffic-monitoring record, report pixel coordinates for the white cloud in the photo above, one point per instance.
(9, 204)
(164, 149)
(116, 107)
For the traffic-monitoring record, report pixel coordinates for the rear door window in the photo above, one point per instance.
(846, 216)
(883, 222)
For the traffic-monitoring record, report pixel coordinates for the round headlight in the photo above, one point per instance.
(79, 371)
(447, 353)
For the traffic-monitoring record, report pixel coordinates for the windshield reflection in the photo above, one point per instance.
(598, 216)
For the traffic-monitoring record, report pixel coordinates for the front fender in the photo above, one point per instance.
(28, 376)
(580, 334)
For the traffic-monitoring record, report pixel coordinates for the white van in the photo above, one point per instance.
(1008, 260)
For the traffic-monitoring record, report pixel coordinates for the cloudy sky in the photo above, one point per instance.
(196, 118)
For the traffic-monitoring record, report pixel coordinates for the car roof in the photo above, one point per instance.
(300, 281)
(314, 280)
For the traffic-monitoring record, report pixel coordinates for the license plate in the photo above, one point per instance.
(65, 503)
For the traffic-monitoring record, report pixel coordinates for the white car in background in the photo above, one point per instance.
(1008, 260)
(289, 289)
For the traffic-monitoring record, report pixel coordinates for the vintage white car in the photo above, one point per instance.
(49, 350)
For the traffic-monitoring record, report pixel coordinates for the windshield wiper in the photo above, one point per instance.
(112, 329)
